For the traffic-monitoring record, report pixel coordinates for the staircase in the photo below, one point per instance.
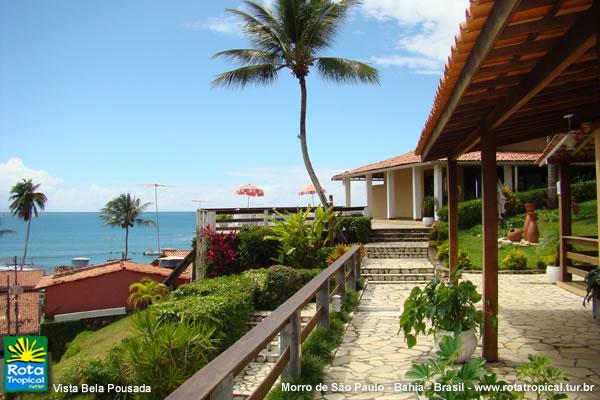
(398, 255)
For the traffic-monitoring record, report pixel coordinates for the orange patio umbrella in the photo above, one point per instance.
(310, 189)
(250, 191)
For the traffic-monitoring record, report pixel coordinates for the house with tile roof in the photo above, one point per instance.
(97, 287)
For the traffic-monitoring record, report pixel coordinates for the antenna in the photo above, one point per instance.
(156, 186)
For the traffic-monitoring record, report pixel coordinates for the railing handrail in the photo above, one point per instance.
(235, 358)
(260, 210)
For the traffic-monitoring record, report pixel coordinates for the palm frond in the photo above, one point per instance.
(346, 71)
(249, 56)
(261, 35)
(262, 74)
(325, 22)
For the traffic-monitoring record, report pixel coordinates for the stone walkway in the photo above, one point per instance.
(534, 317)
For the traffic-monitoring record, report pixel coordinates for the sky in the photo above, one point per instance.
(99, 98)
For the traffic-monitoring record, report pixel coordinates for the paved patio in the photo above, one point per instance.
(534, 317)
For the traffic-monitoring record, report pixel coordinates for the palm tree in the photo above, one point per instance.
(147, 291)
(124, 211)
(25, 201)
(291, 35)
(4, 232)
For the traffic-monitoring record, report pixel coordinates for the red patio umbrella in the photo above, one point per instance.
(310, 189)
(250, 191)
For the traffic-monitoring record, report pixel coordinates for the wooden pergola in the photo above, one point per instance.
(516, 69)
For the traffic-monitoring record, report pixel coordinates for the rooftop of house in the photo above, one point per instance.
(410, 158)
(27, 278)
(78, 274)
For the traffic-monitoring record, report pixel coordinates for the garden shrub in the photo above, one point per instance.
(356, 228)
(469, 213)
(255, 251)
(442, 251)
(515, 260)
(307, 274)
(584, 191)
(464, 261)
(59, 334)
(280, 284)
(539, 197)
(324, 253)
(439, 231)
(221, 253)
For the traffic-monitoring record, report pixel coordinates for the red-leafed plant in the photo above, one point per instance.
(221, 254)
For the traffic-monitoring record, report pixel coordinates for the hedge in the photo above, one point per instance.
(254, 250)
(59, 334)
(584, 191)
(469, 213)
(357, 229)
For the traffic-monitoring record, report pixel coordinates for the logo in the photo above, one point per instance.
(25, 364)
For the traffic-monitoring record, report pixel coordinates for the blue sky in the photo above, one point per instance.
(99, 97)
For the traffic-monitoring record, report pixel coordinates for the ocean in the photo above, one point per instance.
(57, 237)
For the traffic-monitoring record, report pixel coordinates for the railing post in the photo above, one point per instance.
(204, 219)
(352, 281)
(291, 337)
(323, 303)
(224, 391)
(266, 217)
(340, 280)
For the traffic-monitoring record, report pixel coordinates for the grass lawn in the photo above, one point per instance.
(584, 224)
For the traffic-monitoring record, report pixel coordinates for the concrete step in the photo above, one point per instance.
(401, 230)
(397, 250)
(387, 278)
(398, 282)
(396, 270)
(398, 239)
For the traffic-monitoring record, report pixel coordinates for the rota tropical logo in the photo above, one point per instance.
(25, 364)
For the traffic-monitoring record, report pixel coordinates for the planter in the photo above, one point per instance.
(532, 234)
(514, 235)
(553, 273)
(468, 343)
(427, 221)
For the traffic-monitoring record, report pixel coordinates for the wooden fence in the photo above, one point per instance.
(215, 380)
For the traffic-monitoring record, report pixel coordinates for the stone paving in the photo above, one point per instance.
(534, 317)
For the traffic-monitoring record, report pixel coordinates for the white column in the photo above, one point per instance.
(369, 187)
(516, 187)
(438, 187)
(391, 194)
(417, 189)
(348, 191)
(508, 178)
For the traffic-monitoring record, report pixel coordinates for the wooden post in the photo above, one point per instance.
(564, 218)
(323, 303)
(357, 265)
(489, 177)
(224, 391)
(204, 219)
(266, 217)
(452, 215)
(291, 337)
(596, 134)
(340, 280)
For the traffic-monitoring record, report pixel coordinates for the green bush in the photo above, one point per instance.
(439, 231)
(442, 251)
(59, 334)
(280, 284)
(539, 197)
(584, 191)
(254, 249)
(464, 261)
(469, 213)
(306, 275)
(324, 253)
(515, 260)
(357, 229)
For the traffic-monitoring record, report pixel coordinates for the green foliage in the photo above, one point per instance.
(511, 206)
(357, 229)
(539, 372)
(539, 197)
(25, 200)
(442, 251)
(146, 292)
(439, 231)
(324, 253)
(584, 191)
(280, 284)
(446, 306)
(255, 251)
(74, 346)
(299, 238)
(428, 206)
(469, 213)
(516, 260)
(443, 371)
(59, 334)
(464, 261)
(592, 280)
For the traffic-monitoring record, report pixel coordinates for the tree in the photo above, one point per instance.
(291, 35)
(25, 202)
(124, 211)
(146, 292)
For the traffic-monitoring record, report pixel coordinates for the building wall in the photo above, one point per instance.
(404, 193)
(95, 293)
(379, 210)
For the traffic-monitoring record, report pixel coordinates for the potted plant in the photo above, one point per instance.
(553, 266)
(592, 279)
(450, 310)
(428, 208)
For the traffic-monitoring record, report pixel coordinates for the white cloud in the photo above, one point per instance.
(281, 185)
(228, 25)
(428, 29)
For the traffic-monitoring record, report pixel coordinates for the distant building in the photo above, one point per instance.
(28, 301)
(97, 287)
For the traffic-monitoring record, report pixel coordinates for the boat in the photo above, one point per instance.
(151, 252)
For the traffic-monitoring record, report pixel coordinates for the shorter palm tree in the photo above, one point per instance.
(25, 201)
(124, 211)
(146, 292)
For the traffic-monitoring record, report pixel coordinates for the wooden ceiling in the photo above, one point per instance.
(516, 69)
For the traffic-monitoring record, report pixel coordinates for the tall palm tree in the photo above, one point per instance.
(124, 211)
(25, 202)
(291, 35)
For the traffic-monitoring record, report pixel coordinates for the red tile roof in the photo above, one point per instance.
(411, 158)
(102, 269)
(24, 278)
(171, 253)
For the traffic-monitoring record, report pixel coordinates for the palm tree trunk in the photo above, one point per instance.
(126, 242)
(307, 163)
(26, 243)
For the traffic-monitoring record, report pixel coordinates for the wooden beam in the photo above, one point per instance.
(570, 47)
(489, 174)
(564, 218)
(453, 190)
(596, 134)
(496, 22)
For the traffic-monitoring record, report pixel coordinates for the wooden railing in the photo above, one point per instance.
(215, 380)
(589, 259)
(232, 219)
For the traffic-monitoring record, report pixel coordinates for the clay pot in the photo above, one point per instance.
(514, 235)
(529, 207)
(532, 235)
(526, 225)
